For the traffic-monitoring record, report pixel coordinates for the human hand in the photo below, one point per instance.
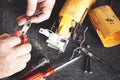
(13, 55)
(45, 6)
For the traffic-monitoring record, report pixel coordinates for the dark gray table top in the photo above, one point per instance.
(11, 9)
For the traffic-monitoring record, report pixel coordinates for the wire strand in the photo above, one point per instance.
(84, 37)
(78, 48)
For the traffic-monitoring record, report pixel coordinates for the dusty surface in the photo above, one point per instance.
(11, 9)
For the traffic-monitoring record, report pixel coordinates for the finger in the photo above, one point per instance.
(15, 67)
(39, 1)
(20, 17)
(42, 17)
(5, 35)
(39, 19)
(20, 67)
(31, 7)
(22, 50)
(46, 12)
(42, 4)
(25, 58)
(11, 41)
(21, 20)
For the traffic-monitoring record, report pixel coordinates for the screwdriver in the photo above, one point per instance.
(50, 71)
(35, 66)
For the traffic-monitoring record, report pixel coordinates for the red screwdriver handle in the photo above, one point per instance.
(41, 76)
(24, 38)
(49, 72)
(38, 76)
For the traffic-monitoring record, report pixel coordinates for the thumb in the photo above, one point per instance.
(31, 7)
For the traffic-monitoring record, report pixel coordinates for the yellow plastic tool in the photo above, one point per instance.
(73, 11)
(106, 24)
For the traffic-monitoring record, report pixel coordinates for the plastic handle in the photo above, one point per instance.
(38, 76)
(41, 76)
(24, 38)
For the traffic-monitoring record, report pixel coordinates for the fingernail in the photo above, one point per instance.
(29, 13)
(19, 24)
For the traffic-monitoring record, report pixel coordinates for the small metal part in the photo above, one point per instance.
(75, 51)
(40, 63)
(87, 65)
(76, 31)
(81, 44)
(55, 24)
(37, 13)
(26, 27)
(67, 63)
(84, 37)
(88, 53)
(88, 46)
(54, 41)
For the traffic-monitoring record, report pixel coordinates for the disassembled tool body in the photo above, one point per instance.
(72, 13)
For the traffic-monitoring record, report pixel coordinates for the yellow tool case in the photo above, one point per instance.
(106, 24)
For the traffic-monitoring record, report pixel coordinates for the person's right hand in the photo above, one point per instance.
(13, 55)
(45, 6)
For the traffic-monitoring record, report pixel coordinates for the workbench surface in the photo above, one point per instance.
(11, 9)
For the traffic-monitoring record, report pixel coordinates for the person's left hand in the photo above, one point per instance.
(45, 6)
(13, 55)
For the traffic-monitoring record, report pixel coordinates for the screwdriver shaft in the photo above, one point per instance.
(69, 62)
